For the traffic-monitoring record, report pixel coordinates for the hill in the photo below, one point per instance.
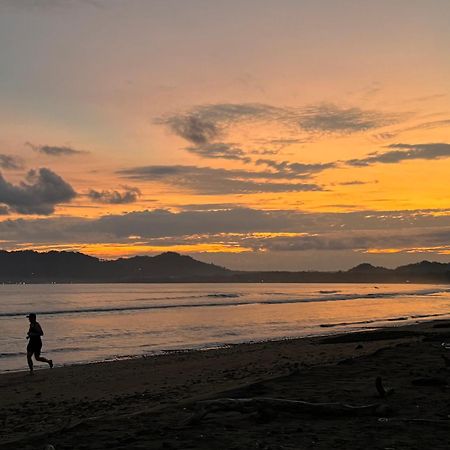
(71, 267)
(30, 266)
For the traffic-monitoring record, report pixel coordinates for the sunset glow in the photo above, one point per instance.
(251, 134)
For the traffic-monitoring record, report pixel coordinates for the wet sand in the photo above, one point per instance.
(151, 403)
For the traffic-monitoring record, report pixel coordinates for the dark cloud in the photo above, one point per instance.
(207, 123)
(360, 241)
(209, 181)
(194, 129)
(286, 169)
(355, 183)
(220, 150)
(164, 223)
(52, 150)
(41, 191)
(113, 197)
(271, 231)
(329, 118)
(10, 162)
(209, 206)
(405, 152)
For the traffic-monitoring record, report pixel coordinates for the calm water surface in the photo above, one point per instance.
(95, 322)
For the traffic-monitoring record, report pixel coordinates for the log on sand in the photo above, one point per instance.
(278, 405)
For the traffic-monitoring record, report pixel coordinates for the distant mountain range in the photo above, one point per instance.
(70, 267)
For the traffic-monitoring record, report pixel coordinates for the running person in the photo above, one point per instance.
(35, 343)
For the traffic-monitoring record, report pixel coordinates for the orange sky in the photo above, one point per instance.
(280, 134)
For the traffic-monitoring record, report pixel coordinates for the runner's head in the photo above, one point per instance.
(32, 317)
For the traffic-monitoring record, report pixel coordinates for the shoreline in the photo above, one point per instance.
(384, 324)
(108, 391)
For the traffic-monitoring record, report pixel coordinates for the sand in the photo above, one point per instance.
(149, 403)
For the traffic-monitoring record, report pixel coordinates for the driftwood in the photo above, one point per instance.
(432, 422)
(382, 391)
(263, 404)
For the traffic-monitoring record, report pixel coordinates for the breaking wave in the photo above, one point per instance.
(232, 299)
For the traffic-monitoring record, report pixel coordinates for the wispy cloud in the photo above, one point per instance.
(220, 151)
(356, 183)
(41, 191)
(209, 181)
(207, 123)
(10, 162)
(330, 118)
(205, 127)
(53, 150)
(404, 152)
(286, 169)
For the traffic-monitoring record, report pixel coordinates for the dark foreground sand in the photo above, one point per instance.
(149, 403)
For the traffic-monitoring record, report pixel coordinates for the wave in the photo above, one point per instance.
(12, 354)
(242, 302)
(224, 295)
(387, 319)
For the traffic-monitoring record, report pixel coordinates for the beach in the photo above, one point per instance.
(154, 402)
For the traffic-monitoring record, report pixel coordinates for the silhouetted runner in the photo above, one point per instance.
(35, 343)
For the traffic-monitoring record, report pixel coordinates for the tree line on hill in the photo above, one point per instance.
(71, 267)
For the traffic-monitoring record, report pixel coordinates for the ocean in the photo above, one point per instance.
(98, 322)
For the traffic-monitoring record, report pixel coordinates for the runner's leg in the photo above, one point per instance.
(30, 361)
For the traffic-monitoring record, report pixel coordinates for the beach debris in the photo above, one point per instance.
(382, 391)
(262, 404)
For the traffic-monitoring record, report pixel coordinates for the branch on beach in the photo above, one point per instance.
(382, 391)
(262, 405)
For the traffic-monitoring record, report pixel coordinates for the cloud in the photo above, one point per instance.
(355, 241)
(271, 231)
(10, 162)
(113, 197)
(194, 129)
(209, 181)
(205, 124)
(405, 152)
(329, 118)
(52, 150)
(286, 169)
(356, 183)
(41, 191)
(209, 206)
(220, 150)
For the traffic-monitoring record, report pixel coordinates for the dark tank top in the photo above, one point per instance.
(34, 328)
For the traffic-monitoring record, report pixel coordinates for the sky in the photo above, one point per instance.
(254, 134)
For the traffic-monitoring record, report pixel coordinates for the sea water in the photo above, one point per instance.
(97, 322)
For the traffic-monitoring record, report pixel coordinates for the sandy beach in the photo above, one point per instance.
(169, 401)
